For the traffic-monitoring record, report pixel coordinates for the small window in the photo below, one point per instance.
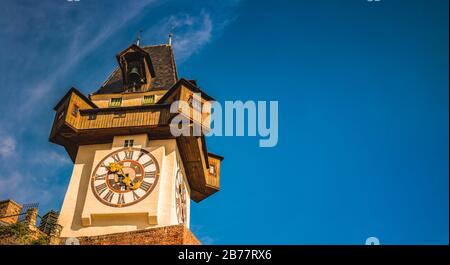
(212, 170)
(195, 103)
(75, 110)
(128, 143)
(92, 116)
(149, 99)
(115, 102)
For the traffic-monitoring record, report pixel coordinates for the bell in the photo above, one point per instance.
(134, 75)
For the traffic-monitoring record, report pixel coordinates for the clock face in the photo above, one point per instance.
(125, 177)
(180, 197)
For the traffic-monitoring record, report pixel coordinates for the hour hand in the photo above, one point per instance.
(125, 179)
(135, 185)
(115, 168)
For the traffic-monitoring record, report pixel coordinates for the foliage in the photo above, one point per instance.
(20, 234)
(41, 240)
(17, 229)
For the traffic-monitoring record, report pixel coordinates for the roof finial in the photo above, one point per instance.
(170, 38)
(138, 39)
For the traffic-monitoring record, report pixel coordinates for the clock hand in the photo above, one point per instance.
(136, 185)
(114, 168)
(126, 180)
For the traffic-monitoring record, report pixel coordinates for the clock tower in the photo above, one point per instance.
(130, 172)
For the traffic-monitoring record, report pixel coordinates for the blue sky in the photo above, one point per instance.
(363, 108)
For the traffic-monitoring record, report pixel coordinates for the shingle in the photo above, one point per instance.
(163, 64)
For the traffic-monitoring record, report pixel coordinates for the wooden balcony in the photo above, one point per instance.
(78, 121)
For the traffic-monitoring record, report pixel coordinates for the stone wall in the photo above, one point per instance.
(8, 208)
(168, 235)
(13, 233)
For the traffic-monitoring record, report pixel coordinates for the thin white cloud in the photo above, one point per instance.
(197, 35)
(49, 157)
(190, 33)
(19, 187)
(11, 186)
(79, 47)
(7, 146)
(35, 182)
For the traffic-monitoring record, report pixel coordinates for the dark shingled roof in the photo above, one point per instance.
(165, 71)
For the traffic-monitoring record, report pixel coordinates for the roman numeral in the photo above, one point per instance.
(151, 174)
(149, 163)
(140, 155)
(100, 177)
(145, 186)
(116, 157)
(135, 196)
(129, 154)
(121, 199)
(109, 196)
(100, 188)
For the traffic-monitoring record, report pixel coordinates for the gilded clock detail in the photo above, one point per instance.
(125, 177)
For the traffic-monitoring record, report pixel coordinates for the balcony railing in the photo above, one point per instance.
(147, 115)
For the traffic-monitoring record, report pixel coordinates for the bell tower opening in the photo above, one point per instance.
(135, 75)
(137, 69)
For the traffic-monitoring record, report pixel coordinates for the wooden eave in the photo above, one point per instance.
(128, 108)
(188, 84)
(124, 93)
(216, 156)
(76, 91)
